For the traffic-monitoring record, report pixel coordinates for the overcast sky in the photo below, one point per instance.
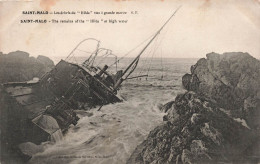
(199, 27)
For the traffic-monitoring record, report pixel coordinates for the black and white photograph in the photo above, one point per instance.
(130, 81)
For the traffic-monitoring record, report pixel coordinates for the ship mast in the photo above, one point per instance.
(136, 60)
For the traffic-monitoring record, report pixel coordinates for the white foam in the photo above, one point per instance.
(242, 121)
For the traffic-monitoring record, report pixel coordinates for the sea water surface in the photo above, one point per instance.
(111, 134)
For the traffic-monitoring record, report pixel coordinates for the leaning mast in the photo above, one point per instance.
(135, 61)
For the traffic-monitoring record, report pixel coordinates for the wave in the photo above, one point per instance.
(111, 134)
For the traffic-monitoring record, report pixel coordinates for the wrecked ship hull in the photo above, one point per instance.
(42, 111)
(78, 85)
(24, 115)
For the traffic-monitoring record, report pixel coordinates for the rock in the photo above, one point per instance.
(18, 66)
(195, 118)
(197, 153)
(211, 133)
(232, 80)
(164, 108)
(186, 157)
(186, 80)
(46, 61)
(198, 127)
(201, 133)
(172, 115)
(18, 55)
(199, 150)
(190, 86)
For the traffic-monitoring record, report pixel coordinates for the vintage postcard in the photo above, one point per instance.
(129, 81)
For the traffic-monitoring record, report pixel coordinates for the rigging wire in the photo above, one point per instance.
(147, 58)
(136, 60)
(107, 53)
(91, 59)
(152, 59)
(132, 50)
(80, 44)
(75, 59)
(163, 36)
(157, 43)
(151, 53)
(84, 51)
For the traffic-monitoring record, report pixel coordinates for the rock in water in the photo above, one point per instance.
(197, 128)
(232, 80)
(201, 133)
(165, 108)
(18, 66)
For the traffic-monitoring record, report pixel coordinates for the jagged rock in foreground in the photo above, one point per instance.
(19, 66)
(201, 126)
(196, 131)
(232, 80)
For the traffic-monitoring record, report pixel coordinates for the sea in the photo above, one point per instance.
(111, 134)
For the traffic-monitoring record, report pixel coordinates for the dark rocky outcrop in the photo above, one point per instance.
(46, 61)
(198, 127)
(19, 66)
(196, 131)
(15, 118)
(232, 80)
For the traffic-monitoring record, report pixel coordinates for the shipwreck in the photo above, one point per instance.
(43, 109)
